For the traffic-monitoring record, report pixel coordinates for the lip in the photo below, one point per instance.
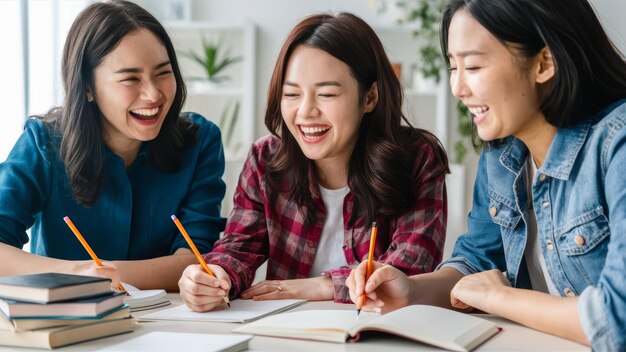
(151, 121)
(316, 139)
(478, 118)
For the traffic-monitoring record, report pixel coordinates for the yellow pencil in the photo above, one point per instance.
(195, 250)
(86, 245)
(370, 257)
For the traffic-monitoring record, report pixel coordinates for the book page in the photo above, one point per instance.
(240, 311)
(433, 325)
(325, 325)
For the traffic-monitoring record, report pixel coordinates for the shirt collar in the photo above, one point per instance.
(561, 156)
(564, 149)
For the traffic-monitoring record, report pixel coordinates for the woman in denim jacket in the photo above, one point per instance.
(547, 93)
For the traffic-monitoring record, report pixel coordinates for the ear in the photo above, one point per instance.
(89, 95)
(544, 69)
(371, 99)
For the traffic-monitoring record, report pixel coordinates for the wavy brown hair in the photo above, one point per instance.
(97, 30)
(379, 170)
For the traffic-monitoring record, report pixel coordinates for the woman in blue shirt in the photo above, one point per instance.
(118, 158)
(547, 93)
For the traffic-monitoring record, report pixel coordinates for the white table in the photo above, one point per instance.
(513, 337)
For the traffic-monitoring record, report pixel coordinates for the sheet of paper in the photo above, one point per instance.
(164, 341)
(240, 311)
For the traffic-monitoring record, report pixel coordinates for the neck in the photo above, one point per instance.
(538, 138)
(126, 150)
(330, 175)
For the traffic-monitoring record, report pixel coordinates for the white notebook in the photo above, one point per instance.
(165, 341)
(240, 311)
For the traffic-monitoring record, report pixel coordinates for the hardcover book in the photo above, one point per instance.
(52, 287)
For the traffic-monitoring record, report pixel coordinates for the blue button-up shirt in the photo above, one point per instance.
(579, 198)
(130, 219)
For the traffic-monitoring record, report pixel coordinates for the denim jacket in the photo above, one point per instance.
(579, 198)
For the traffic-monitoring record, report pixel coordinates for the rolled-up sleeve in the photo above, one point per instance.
(480, 248)
(24, 183)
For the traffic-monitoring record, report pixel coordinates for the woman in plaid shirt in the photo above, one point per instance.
(338, 159)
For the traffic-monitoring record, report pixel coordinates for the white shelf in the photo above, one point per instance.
(217, 102)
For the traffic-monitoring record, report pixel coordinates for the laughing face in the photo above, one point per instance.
(321, 106)
(498, 87)
(134, 87)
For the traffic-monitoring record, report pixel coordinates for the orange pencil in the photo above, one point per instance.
(92, 254)
(370, 257)
(195, 250)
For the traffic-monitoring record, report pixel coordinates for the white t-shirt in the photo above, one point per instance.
(329, 254)
(536, 263)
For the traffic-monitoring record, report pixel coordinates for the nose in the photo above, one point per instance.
(458, 84)
(308, 106)
(150, 91)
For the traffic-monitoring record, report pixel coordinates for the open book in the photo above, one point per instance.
(240, 311)
(427, 324)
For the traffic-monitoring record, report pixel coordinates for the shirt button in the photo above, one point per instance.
(549, 244)
(493, 211)
(545, 204)
(568, 292)
(542, 177)
(580, 240)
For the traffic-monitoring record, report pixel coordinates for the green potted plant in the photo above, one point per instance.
(213, 59)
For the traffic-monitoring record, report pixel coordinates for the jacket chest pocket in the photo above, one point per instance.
(584, 242)
(502, 211)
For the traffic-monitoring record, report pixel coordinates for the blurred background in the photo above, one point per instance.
(247, 35)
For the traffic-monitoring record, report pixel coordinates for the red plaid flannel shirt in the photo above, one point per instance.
(255, 231)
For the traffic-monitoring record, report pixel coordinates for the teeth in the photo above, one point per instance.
(146, 112)
(314, 129)
(478, 110)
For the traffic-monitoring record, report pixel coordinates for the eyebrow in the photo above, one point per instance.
(319, 84)
(138, 70)
(468, 53)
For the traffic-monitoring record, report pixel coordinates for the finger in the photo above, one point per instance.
(198, 289)
(277, 294)
(359, 278)
(196, 274)
(378, 277)
(221, 275)
(260, 288)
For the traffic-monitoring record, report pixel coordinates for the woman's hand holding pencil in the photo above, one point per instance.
(387, 288)
(88, 268)
(202, 287)
(202, 292)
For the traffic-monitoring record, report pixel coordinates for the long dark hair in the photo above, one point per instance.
(94, 34)
(590, 70)
(380, 168)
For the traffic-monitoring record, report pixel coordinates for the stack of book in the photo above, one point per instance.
(51, 310)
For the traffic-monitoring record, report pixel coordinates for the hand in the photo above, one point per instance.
(201, 291)
(479, 290)
(90, 268)
(386, 290)
(312, 289)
